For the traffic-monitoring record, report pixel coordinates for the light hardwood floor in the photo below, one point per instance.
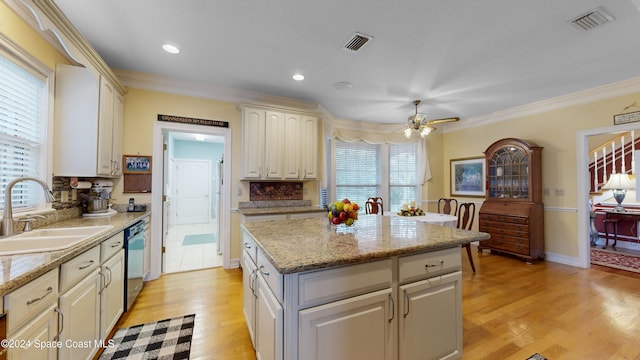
(511, 310)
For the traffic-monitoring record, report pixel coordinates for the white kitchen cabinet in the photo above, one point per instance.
(88, 124)
(430, 318)
(309, 148)
(43, 329)
(248, 294)
(361, 327)
(146, 268)
(269, 322)
(31, 316)
(111, 293)
(279, 144)
(81, 317)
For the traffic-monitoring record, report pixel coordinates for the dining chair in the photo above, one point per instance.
(466, 214)
(374, 205)
(445, 205)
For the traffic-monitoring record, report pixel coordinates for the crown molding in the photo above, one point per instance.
(164, 84)
(579, 97)
(46, 18)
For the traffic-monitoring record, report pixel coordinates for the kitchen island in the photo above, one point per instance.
(385, 288)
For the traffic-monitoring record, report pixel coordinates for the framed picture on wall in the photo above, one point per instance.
(136, 164)
(468, 177)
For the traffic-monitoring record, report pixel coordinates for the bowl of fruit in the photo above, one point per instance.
(343, 212)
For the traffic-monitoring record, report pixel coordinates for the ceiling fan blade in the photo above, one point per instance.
(443, 120)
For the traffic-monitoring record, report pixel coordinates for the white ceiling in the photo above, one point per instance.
(464, 58)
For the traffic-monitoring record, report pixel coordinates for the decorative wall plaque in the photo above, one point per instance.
(626, 118)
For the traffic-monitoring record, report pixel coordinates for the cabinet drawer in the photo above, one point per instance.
(78, 268)
(499, 244)
(507, 239)
(426, 265)
(504, 218)
(26, 302)
(249, 246)
(273, 278)
(504, 225)
(324, 286)
(111, 246)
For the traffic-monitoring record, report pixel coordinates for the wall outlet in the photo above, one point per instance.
(64, 196)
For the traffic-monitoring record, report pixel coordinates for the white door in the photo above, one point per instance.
(193, 201)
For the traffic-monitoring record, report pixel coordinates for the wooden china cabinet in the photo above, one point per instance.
(513, 212)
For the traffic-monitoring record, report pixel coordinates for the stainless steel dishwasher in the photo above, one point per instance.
(134, 262)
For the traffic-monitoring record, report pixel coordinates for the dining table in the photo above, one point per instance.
(431, 218)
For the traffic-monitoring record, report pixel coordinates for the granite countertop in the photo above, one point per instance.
(309, 244)
(17, 270)
(279, 210)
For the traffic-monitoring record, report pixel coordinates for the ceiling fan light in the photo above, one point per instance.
(407, 132)
(425, 130)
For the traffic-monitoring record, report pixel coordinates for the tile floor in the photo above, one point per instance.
(180, 257)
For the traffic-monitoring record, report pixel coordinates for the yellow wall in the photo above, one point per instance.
(22, 34)
(555, 131)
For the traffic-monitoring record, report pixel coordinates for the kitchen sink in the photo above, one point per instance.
(48, 239)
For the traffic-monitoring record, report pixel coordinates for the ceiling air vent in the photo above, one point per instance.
(592, 19)
(357, 41)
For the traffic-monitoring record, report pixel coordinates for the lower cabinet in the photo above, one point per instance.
(269, 317)
(43, 329)
(248, 294)
(430, 320)
(356, 328)
(112, 293)
(81, 320)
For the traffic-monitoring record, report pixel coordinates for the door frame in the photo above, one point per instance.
(582, 176)
(157, 191)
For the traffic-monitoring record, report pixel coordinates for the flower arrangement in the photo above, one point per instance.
(343, 212)
(410, 211)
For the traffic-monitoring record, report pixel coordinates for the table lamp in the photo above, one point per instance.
(619, 183)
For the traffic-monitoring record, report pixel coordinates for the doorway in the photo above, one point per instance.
(584, 226)
(191, 240)
(190, 220)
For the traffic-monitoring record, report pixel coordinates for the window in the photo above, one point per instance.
(403, 173)
(357, 171)
(365, 170)
(23, 128)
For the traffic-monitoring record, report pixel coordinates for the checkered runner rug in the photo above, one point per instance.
(166, 339)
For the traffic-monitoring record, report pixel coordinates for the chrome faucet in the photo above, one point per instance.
(7, 216)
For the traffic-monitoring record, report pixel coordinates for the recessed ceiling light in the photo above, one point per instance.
(298, 77)
(171, 49)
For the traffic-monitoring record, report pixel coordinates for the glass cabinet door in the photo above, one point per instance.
(509, 173)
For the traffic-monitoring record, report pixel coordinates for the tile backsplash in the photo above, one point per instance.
(266, 191)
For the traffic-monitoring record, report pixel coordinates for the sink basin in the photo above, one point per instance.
(48, 239)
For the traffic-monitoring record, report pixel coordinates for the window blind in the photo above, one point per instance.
(357, 171)
(22, 97)
(403, 170)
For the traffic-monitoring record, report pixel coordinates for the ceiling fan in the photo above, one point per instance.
(421, 124)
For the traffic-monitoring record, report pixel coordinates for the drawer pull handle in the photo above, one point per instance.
(247, 246)
(32, 301)
(116, 244)
(393, 308)
(89, 263)
(406, 301)
(436, 265)
(265, 273)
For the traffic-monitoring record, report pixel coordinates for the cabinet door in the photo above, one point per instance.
(291, 146)
(112, 293)
(116, 150)
(430, 313)
(146, 259)
(274, 144)
(248, 294)
(253, 143)
(309, 147)
(269, 322)
(105, 127)
(42, 328)
(80, 307)
(356, 328)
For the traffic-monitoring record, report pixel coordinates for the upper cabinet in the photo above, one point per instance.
(88, 124)
(279, 145)
(514, 171)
